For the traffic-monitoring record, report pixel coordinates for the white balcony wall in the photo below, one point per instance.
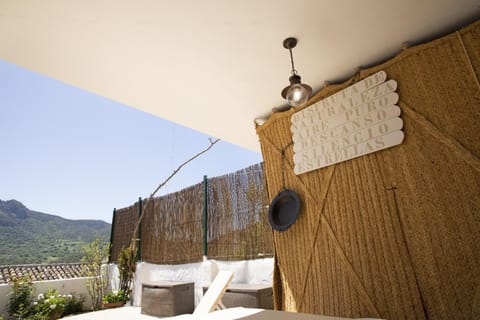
(259, 271)
(75, 287)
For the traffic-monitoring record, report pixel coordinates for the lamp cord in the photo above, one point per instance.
(294, 72)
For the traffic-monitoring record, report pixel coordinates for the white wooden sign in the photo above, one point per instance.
(356, 121)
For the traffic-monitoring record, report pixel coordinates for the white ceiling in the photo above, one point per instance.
(213, 65)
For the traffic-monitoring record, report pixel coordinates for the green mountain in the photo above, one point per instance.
(30, 237)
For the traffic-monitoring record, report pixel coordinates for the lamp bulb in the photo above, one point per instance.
(297, 95)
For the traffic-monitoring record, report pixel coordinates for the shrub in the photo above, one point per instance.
(51, 304)
(116, 296)
(126, 269)
(74, 306)
(97, 282)
(20, 301)
(46, 306)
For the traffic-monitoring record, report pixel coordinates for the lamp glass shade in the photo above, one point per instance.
(297, 95)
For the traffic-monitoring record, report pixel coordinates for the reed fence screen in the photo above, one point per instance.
(124, 223)
(173, 229)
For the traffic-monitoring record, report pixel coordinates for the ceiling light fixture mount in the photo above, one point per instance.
(296, 93)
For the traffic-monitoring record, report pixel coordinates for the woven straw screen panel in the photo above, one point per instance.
(238, 225)
(394, 234)
(123, 226)
(171, 228)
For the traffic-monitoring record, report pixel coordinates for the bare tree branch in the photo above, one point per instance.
(133, 243)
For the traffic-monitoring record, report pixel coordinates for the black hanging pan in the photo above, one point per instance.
(284, 210)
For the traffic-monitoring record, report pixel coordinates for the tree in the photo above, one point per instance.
(95, 254)
(127, 257)
(126, 269)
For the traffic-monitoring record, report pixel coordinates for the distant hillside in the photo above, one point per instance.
(28, 236)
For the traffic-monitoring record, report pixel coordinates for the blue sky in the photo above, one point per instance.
(69, 152)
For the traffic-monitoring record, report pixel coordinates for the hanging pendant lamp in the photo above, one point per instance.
(297, 93)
